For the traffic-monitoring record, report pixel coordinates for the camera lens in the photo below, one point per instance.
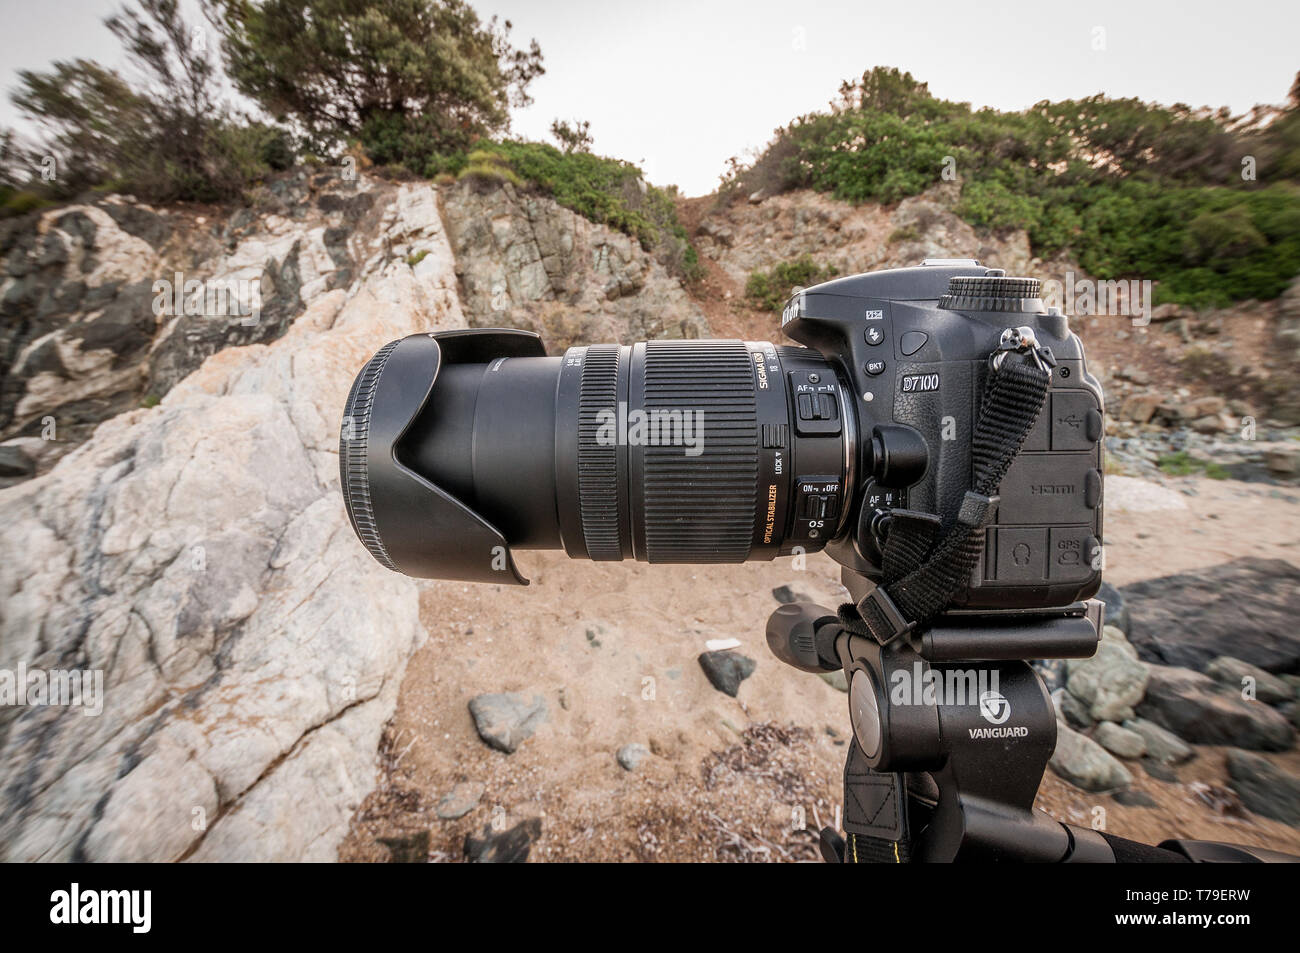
(661, 451)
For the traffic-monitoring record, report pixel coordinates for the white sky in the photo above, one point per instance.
(678, 87)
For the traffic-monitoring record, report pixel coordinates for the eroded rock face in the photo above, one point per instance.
(744, 237)
(525, 262)
(197, 554)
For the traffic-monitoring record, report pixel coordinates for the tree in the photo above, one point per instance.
(410, 78)
(572, 136)
(168, 136)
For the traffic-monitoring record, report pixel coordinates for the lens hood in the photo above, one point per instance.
(406, 522)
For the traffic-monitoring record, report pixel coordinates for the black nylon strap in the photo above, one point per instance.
(1013, 397)
(875, 814)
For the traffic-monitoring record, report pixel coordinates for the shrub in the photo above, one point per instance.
(769, 290)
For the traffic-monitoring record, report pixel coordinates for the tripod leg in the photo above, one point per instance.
(875, 813)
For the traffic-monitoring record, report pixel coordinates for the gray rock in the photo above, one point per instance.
(460, 800)
(506, 720)
(1159, 770)
(1189, 619)
(630, 756)
(15, 463)
(503, 847)
(1052, 671)
(786, 594)
(1116, 609)
(1120, 741)
(1236, 675)
(1264, 787)
(725, 670)
(1195, 708)
(1162, 745)
(1086, 764)
(1075, 712)
(836, 680)
(1131, 798)
(1110, 683)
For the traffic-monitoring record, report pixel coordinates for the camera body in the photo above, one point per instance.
(912, 346)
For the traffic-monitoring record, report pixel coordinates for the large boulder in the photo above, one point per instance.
(197, 555)
(1110, 683)
(1085, 763)
(1197, 709)
(1245, 609)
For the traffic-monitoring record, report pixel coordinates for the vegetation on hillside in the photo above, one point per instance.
(769, 290)
(1206, 203)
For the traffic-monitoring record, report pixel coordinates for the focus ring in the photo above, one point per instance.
(598, 482)
(699, 492)
(354, 439)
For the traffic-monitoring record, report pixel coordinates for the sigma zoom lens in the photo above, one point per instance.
(701, 451)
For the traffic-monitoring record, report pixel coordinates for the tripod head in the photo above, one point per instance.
(952, 731)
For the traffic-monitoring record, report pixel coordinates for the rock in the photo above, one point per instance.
(1167, 312)
(504, 847)
(1052, 672)
(527, 262)
(630, 756)
(411, 849)
(785, 594)
(756, 197)
(1217, 423)
(196, 553)
(1085, 764)
(1140, 408)
(1239, 676)
(1076, 712)
(1283, 459)
(1120, 741)
(1134, 374)
(1110, 683)
(15, 463)
(1162, 745)
(836, 679)
(1115, 636)
(1159, 770)
(726, 670)
(1264, 787)
(1116, 610)
(1193, 707)
(506, 720)
(1131, 798)
(460, 800)
(1246, 608)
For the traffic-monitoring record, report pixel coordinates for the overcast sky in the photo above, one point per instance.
(679, 86)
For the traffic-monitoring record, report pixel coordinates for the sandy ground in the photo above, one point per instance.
(612, 648)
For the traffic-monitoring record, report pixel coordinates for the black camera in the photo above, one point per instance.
(458, 447)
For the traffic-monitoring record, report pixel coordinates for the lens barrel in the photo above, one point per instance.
(661, 451)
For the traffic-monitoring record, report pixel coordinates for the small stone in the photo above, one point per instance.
(1162, 745)
(503, 847)
(1239, 676)
(506, 720)
(785, 594)
(726, 670)
(1264, 787)
(1159, 770)
(460, 800)
(630, 756)
(411, 849)
(1131, 798)
(1120, 741)
(1086, 764)
(1075, 712)
(836, 680)
(1110, 683)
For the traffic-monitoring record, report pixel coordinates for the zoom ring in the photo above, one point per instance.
(354, 440)
(598, 482)
(700, 499)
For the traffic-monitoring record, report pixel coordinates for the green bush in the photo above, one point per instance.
(769, 290)
(1129, 189)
